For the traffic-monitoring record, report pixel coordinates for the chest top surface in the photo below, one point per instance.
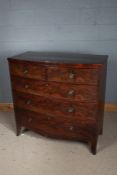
(60, 58)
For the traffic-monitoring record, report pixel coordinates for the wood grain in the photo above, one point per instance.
(57, 128)
(72, 75)
(59, 97)
(108, 107)
(68, 109)
(83, 93)
(6, 107)
(28, 70)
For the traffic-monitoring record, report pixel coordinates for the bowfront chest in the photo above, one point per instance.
(59, 96)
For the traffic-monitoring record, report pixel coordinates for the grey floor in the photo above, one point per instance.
(32, 154)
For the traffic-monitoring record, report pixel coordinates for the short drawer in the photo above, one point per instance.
(55, 89)
(56, 128)
(26, 69)
(57, 108)
(73, 75)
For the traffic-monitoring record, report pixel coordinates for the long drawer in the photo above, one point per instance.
(54, 107)
(68, 91)
(56, 128)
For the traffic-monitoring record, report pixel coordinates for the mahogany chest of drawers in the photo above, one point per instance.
(59, 96)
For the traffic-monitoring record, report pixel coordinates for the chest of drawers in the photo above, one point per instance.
(59, 96)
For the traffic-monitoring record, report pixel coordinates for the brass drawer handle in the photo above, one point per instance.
(26, 86)
(28, 102)
(71, 128)
(25, 71)
(30, 119)
(72, 75)
(71, 92)
(71, 109)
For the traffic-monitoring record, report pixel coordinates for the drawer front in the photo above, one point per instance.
(58, 90)
(57, 108)
(78, 76)
(28, 70)
(56, 128)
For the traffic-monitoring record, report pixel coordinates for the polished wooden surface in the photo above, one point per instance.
(59, 97)
(72, 75)
(62, 128)
(28, 70)
(56, 107)
(55, 89)
(108, 107)
(62, 58)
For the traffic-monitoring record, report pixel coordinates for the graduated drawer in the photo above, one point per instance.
(56, 127)
(58, 90)
(54, 107)
(73, 75)
(29, 70)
